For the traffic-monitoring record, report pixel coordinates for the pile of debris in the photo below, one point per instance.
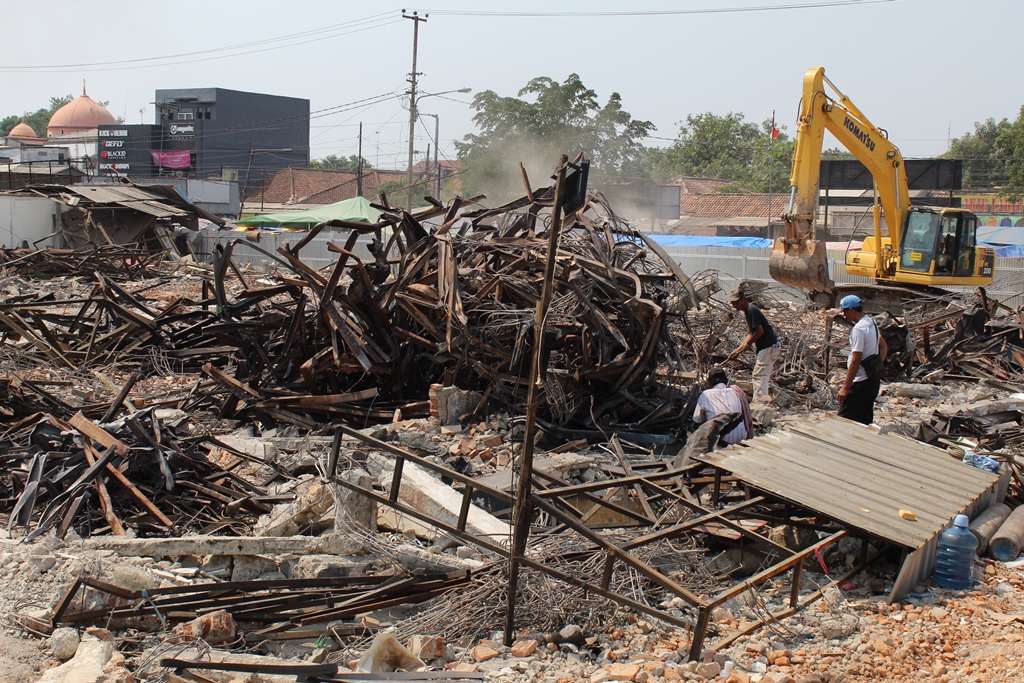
(129, 469)
(322, 465)
(364, 340)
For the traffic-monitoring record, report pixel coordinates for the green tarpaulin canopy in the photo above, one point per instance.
(357, 209)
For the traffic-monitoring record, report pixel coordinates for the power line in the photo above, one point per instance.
(647, 13)
(369, 23)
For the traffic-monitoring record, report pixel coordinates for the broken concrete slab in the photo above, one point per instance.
(329, 566)
(216, 628)
(293, 518)
(195, 546)
(431, 496)
(561, 465)
(96, 661)
(907, 390)
(1011, 404)
(351, 508)
(243, 440)
(390, 519)
(413, 558)
(252, 567)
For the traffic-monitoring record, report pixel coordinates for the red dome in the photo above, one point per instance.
(83, 113)
(23, 131)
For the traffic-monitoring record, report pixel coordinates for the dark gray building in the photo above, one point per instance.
(229, 134)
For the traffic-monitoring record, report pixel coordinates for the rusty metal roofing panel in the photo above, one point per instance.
(110, 194)
(859, 477)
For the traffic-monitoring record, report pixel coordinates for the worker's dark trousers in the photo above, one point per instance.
(860, 403)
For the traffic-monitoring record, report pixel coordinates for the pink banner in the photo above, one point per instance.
(182, 159)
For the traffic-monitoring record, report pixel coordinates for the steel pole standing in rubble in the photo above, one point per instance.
(523, 509)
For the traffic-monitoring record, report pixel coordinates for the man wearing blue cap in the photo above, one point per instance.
(859, 391)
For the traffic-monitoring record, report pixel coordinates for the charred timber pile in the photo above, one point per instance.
(131, 474)
(361, 339)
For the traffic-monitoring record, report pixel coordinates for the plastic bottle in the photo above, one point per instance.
(982, 462)
(954, 562)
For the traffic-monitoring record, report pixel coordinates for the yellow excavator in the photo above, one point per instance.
(926, 248)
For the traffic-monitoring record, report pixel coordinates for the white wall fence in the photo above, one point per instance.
(732, 264)
(315, 254)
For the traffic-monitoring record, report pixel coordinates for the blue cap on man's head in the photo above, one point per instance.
(849, 301)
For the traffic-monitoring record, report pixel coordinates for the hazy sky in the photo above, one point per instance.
(921, 69)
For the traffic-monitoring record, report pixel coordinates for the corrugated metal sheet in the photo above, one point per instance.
(862, 479)
(859, 477)
(129, 197)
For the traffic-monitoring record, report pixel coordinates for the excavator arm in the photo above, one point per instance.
(798, 259)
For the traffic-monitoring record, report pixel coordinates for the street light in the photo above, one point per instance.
(413, 116)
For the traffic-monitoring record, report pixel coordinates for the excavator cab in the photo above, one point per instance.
(945, 238)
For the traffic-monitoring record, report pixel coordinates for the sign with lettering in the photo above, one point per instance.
(179, 159)
(182, 131)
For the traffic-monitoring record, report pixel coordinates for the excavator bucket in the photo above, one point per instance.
(801, 263)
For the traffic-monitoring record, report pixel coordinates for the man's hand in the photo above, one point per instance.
(735, 354)
(844, 393)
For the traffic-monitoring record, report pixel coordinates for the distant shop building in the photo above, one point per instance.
(229, 134)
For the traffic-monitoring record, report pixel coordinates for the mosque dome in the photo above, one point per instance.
(23, 131)
(83, 113)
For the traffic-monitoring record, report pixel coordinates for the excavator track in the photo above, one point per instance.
(885, 296)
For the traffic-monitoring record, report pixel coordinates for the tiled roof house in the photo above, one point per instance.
(314, 186)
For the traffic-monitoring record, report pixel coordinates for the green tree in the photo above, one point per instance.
(395, 191)
(1009, 148)
(984, 165)
(332, 162)
(544, 120)
(36, 119)
(836, 153)
(729, 148)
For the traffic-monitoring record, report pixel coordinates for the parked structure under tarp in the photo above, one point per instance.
(355, 210)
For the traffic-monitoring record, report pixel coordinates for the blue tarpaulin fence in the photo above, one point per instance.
(707, 241)
(1002, 251)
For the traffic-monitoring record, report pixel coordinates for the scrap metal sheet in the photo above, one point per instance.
(859, 477)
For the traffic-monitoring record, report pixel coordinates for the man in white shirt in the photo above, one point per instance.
(720, 398)
(858, 393)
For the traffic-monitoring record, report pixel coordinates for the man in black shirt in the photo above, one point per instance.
(762, 336)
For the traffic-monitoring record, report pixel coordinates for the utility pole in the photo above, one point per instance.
(416, 19)
(359, 164)
(771, 163)
(437, 166)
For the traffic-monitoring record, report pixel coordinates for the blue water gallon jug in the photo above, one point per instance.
(955, 559)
